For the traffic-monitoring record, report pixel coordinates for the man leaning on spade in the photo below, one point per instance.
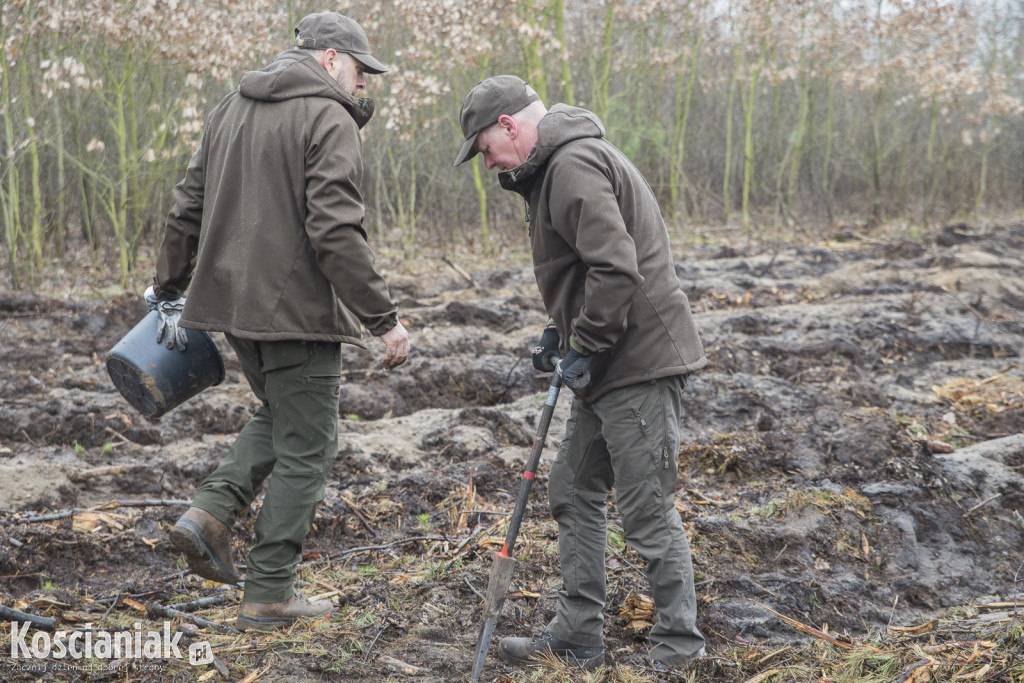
(623, 328)
(267, 228)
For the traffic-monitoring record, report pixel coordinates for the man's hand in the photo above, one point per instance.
(575, 370)
(546, 351)
(168, 313)
(397, 342)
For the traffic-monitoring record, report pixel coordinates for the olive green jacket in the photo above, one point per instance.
(601, 256)
(267, 224)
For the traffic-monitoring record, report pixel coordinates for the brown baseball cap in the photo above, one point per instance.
(336, 31)
(487, 101)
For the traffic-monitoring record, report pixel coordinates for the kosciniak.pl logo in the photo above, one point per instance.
(89, 644)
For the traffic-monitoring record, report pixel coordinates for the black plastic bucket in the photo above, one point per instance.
(155, 379)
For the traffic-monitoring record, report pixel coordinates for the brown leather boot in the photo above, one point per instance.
(268, 616)
(206, 543)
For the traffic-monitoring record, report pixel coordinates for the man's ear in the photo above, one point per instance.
(328, 59)
(508, 125)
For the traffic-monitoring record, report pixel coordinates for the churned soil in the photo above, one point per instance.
(852, 461)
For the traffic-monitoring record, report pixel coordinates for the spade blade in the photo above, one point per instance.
(497, 589)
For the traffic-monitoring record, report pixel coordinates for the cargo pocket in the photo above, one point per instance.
(331, 381)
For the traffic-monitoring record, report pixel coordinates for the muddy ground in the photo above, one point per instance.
(852, 458)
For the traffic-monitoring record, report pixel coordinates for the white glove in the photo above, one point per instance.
(168, 316)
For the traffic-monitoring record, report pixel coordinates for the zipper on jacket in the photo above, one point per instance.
(527, 209)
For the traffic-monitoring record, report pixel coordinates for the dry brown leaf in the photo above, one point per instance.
(86, 522)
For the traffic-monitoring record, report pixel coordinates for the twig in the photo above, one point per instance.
(766, 590)
(104, 601)
(626, 562)
(112, 505)
(892, 612)
(464, 548)
(156, 609)
(203, 602)
(47, 518)
(255, 674)
(386, 546)
(36, 621)
(359, 513)
(909, 672)
(140, 504)
(460, 271)
(508, 377)
(982, 504)
(374, 642)
(810, 630)
(974, 311)
(111, 608)
(124, 439)
(473, 588)
(177, 575)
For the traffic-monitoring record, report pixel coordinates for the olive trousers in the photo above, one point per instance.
(629, 439)
(292, 438)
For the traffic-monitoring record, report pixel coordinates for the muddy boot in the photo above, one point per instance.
(532, 651)
(206, 544)
(268, 616)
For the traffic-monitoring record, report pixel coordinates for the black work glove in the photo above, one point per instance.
(575, 370)
(168, 328)
(546, 351)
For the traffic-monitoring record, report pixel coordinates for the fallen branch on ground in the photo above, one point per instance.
(112, 505)
(810, 630)
(158, 610)
(36, 621)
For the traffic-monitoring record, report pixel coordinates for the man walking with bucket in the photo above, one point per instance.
(267, 228)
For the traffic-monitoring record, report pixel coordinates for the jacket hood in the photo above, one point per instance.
(295, 73)
(561, 125)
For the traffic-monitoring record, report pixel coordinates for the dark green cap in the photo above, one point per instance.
(487, 101)
(336, 31)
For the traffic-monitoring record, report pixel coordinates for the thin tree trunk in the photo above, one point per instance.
(748, 144)
(569, 96)
(727, 162)
(601, 102)
(35, 230)
(677, 174)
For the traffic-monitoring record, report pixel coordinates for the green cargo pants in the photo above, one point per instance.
(293, 436)
(629, 439)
